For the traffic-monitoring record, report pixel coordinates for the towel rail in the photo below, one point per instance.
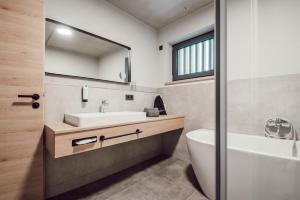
(102, 137)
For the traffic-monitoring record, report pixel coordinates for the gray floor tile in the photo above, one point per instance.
(180, 171)
(197, 196)
(161, 178)
(154, 188)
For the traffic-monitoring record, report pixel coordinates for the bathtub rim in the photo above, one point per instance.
(211, 131)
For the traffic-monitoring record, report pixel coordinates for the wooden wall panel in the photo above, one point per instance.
(21, 126)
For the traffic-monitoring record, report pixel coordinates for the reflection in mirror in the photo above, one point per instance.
(74, 52)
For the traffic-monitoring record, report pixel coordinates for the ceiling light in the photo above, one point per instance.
(64, 31)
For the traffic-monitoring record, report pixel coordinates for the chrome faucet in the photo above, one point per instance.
(103, 104)
(279, 128)
(276, 128)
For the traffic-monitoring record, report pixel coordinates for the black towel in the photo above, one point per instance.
(158, 103)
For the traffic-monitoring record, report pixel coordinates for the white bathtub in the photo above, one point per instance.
(259, 168)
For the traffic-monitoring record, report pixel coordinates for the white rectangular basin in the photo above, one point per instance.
(101, 119)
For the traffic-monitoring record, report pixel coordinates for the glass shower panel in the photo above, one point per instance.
(263, 99)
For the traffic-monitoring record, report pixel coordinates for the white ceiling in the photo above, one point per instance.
(158, 13)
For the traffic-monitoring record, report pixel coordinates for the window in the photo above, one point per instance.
(194, 57)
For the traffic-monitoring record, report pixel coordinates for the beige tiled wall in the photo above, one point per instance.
(63, 95)
(250, 103)
(196, 103)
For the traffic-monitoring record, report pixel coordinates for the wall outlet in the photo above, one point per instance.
(129, 97)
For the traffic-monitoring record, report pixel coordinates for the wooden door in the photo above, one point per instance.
(21, 73)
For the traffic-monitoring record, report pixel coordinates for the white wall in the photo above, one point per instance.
(111, 64)
(187, 27)
(278, 37)
(262, 38)
(102, 18)
(70, 63)
(258, 38)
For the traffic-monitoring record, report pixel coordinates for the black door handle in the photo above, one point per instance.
(34, 96)
(35, 105)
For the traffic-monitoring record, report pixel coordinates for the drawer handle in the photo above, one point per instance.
(83, 141)
(102, 137)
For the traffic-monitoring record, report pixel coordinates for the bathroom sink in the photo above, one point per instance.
(101, 119)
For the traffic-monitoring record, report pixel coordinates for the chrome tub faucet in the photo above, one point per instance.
(281, 128)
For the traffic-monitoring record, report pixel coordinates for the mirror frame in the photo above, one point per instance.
(98, 37)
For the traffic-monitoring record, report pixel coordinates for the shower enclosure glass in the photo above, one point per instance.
(263, 99)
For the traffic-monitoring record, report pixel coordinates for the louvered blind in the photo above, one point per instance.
(194, 58)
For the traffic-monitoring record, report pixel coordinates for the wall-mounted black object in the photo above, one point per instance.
(102, 137)
(158, 103)
(129, 97)
(82, 141)
(161, 47)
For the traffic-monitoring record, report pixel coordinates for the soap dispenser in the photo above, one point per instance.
(85, 96)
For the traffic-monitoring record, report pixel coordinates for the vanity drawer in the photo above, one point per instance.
(158, 127)
(64, 144)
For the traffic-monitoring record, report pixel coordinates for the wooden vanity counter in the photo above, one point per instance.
(64, 140)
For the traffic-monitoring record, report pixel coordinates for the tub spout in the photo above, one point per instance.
(295, 149)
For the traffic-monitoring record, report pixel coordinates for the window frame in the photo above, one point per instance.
(189, 42)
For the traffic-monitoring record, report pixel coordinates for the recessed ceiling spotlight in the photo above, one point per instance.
(64, 31)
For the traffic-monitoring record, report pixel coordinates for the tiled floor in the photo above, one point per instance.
(161, 178)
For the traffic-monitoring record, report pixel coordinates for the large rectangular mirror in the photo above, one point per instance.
(70, 51)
